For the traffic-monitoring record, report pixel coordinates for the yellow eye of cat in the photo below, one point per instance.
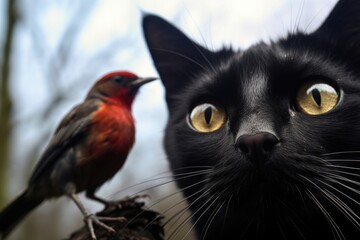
(316, 97)
(207, 117)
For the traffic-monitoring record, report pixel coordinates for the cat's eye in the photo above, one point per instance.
(207, 117)
(316, 97)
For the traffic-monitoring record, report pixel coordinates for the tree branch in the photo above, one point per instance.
(141, 224)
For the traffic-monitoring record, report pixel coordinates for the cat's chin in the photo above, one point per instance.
(268, 200)
(275, 182)
(256, 191)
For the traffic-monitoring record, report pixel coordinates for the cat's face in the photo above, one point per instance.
(268, 137)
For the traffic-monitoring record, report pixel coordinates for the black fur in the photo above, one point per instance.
(310, 184)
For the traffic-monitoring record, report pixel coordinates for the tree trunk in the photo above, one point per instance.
(5, 99)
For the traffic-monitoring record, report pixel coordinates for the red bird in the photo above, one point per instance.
(89, 146)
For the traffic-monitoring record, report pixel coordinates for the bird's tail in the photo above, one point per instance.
(12, 214)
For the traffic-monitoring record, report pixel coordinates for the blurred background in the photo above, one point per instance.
(52, 51)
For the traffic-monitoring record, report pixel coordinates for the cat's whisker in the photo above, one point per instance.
(180, 176)
(342, 207)
(176, 175)
(298, 16)
(291, 18)
(343, 178)
(301, 194)
(162, 199)
(337, 202)
(281, 231)
(297, 229)
(343, 185)
(174, 205)
(180, 190)
(344, 167)
(214, 214)
(183, 56)
(339, 153)
(204, 57)
(189, 175)
(343, 160)
(335, 172)
(177, 192)
(334, 227)
(227, 209)
(212, 200)
(180, 213)
(180, 226)
(211, 219)
(285, 204)
(171, 177)
(313, 19)
(156, 178)
(205, 43)
(339, 191)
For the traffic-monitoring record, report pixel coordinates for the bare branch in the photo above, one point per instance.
(5, 98)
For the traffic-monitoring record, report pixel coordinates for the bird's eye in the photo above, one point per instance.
(118, 79)
(207, 117)
(316, 97)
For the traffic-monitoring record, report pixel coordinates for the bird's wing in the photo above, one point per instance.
(70, 131)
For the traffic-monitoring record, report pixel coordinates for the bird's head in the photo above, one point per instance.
(118, 86)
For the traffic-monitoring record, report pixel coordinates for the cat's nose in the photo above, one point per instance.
(257, 146)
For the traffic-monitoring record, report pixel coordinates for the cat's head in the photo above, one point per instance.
(261, 133)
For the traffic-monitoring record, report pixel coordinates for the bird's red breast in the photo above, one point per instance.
(105, 149)
(112, 134)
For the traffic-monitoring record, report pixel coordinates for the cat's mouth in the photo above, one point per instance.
(247, 182)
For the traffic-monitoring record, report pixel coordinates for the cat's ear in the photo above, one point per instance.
(176, 57)
(343, 24)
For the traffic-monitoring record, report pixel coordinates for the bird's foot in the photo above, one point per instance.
(92, 219)
(128, 202)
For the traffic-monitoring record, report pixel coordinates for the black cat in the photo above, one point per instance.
(266, 140)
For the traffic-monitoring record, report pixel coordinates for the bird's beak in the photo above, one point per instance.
(141, 81)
